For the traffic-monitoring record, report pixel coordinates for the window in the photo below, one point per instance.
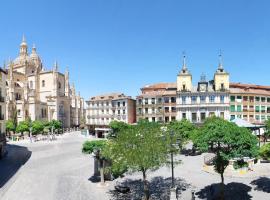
(251, 116)
(159, 109)
(232, 98)
(239, 108)
(194, 117)
(257, 108)
(222, 98)
(146, 110)
(211, 114)
(184, 115)
(202, 99)
(118, 104)
(239, 98)
(146, 101)
(59, 85)
(19, 112)
(184, 87)
(31, 84)
(263, 117)
(222, 86)
(263, 109)
(268, 100)
(173, 100)
(124, 103)
(257, 98)
(173, 109)
(268, 109)
(43, 83)
(167, 119)
(166, 109)
(153, 100)
(222, 115)
(245, 108)
(124, 112)
(245, 98)
(183, 100)
(160, 119)
(153, 110)
(263, 99)
(153, 119)
(173, 118)
(193, 99)
(212, 98)
(251, 99)
(257, 117)
(140, 101)
(166, 99)
(118, 112)
(159, 100)
(140, 110)
(202, 117)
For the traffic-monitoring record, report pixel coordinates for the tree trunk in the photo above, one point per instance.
(102, 180)
(222, 187)
(145, 187)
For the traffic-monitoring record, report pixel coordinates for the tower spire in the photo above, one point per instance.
(55, 66)
(184, 67)
(220, 64)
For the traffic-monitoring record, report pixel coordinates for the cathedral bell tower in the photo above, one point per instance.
(184, 78)
(221, 77)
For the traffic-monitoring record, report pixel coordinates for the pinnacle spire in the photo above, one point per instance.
(184, 67)
(55, 66)
(220, 64)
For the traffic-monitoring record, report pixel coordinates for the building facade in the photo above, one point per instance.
(207, 98)
(2, 101)
(36, 93)
(250, 102)
(77, 109)
(103, 109)
(157, 102)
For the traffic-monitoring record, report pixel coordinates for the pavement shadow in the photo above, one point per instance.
(233, 191)
(12, 162)
(159, 189)
(262, 184)
(94, 179)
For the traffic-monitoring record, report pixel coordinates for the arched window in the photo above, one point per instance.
(31, 84)
(43, 83)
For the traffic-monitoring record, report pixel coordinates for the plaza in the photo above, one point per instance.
(58, 170)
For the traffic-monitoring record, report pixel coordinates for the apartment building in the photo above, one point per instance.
(2, 111)
(249, 102)
(157, 102)
(103, 109)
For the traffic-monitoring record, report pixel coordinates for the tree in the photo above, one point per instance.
(37, 127)
(182, 130)
(227, 141)
(142, 147)
(55, 124)
(22, 127)
(116, 126)
(267, 129)
(91, 146)
(10, 126)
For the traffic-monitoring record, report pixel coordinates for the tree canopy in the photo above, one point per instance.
(23, 126)
(141, 147)
(10, 126)
(37, 127)
(227, 141)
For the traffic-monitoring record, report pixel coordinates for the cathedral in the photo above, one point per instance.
(39, 94)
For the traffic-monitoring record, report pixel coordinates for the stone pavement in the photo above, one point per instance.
(58, 170)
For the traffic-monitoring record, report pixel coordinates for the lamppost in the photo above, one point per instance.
(31, 133)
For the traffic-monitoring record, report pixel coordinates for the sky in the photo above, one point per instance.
(122, 45)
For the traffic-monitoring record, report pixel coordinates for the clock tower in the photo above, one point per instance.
(221, 77)
(184, 78)
(203, 84)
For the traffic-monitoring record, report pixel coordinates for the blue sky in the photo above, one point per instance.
(122, 45)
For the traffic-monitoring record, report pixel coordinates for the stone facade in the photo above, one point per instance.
(35, 92)
(208, 98)
(2, 100)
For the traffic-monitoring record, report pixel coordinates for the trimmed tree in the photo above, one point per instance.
(227, 141)
(22, 127)
(267, 130)
(142, 147)
(37, 127)
(116, 126)
(10, 126)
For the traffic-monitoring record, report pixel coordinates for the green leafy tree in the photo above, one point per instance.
(116, 127)
(264, 151)
(10, 126)
(142, 147)
(37, 127)
(23, 126)
(267, 129)
(182, 131)
(91, 146)
(227, 141)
